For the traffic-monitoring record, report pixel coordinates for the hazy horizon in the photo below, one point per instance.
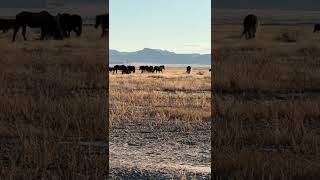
(159, 50)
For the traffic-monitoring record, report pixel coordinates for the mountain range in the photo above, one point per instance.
(157, 56)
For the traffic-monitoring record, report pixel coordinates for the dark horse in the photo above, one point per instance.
(316, 28)
(250, 25)
(6, 24)
(189, 69)
(49, 25)
(102, 20)
(70, 23)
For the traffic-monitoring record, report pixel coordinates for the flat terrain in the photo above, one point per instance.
(160, 124)
(52, 108)
(267, 101)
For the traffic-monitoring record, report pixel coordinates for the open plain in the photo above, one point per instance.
(53, 107)
(266, 95)
(160, 124)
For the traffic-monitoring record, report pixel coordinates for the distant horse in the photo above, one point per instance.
(49, 25)
(189, 69)
(116, 68)
(71, 23)
(143, 68)
(103, 21)
(111, 69)
(162, 66)
(132, 69)
(158, 69)
(250, 24)
(316, 28)
(6, 24)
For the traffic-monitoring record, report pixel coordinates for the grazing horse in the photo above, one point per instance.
(124, 69)
(6, 24)
(49, 25)
(116, 68)
(316, 28)
(189, 69)
(250, 24)
(102, 20)
(143, 68)
(71, 23)
(111, 69)
(162, 66)
(158, 69)
(132, 69)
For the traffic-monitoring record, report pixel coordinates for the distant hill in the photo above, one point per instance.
(158, 56)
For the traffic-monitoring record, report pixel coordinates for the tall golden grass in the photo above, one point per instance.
(172, 99)
(52, 107)
(266, 124)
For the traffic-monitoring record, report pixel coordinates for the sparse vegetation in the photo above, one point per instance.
(52, 96)
(160, 123)
(267, 120)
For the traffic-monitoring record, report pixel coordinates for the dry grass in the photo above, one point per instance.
(267, 121)
(52, 101)
(172, 99)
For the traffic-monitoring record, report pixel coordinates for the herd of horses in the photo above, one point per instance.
(57, 27)
(148, 69)
(250, 25)
(132, 69)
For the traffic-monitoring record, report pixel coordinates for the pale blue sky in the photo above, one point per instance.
(181, 26)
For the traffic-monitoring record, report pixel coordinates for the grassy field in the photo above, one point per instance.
(267, 105)
(160, 124)
(53, 107)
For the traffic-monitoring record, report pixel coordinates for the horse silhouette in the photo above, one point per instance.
(49, 25)
(250, 24)
(70, 23)
(103, 21)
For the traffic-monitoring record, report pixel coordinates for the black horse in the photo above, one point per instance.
(316, 28)
(70, 23)
(143, 68)
(189, 69)
(111, 69)
(116, 68)
(6, 24)
(103, 21)
(158, 69)
(132, 69)
(250, 25)
(49, 25)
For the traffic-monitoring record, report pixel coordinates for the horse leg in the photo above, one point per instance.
(24, 29)
(16, 29)
(103, 31)
(42, 34)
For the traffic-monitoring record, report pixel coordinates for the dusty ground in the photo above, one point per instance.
(160, 125)
(267, 116)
